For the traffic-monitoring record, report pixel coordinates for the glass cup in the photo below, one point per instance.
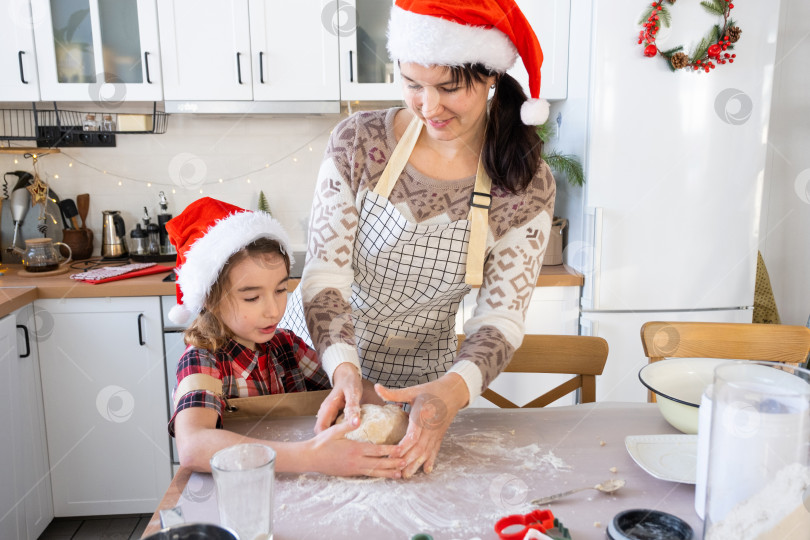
(759, 452)
(244, 479)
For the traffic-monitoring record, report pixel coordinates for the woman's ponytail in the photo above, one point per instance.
(512, 150)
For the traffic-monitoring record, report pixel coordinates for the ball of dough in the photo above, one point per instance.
(379, 424)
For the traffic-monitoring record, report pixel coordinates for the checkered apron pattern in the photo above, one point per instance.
(408, 282)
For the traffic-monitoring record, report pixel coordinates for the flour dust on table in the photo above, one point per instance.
(492, 475)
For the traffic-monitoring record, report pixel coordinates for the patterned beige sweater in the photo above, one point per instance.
(519, 226)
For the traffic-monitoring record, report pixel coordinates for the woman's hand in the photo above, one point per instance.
(347, 389)
(331, 453)
(434, 405)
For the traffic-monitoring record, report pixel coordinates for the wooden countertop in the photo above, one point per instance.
(17, 291)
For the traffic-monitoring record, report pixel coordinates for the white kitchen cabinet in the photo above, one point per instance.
(104, 387)
(26, 506)
(550, 20)
(261, 50)
(366, 70)
(18, 60)
(106, 51)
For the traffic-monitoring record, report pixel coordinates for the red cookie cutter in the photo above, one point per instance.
(539, 520)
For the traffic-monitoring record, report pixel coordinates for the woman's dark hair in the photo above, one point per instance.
(208, 331)
(511, 153)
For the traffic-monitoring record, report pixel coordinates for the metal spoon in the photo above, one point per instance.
(608, 486)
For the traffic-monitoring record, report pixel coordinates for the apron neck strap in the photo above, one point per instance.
(480, 200)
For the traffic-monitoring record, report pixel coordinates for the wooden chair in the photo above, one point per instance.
(769, 342)
(581, 356)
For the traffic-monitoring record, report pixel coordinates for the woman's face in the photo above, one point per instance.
(448, 110)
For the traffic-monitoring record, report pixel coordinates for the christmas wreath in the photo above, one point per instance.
(712, 49)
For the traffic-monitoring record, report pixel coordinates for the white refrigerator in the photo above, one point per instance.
(667, 223)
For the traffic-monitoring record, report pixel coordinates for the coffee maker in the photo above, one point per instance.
(113, 235)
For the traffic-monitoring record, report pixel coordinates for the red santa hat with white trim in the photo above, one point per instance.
(206, 235)
(458, 32)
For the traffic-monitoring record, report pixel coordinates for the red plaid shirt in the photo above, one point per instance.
(282, 365)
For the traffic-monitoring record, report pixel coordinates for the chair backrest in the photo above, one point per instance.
(581, 356)
(744, 341)
(771, 342)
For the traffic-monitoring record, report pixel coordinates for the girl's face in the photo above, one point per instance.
(255, 298)
(448, 110)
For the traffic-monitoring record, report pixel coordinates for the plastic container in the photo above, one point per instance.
(642, 524)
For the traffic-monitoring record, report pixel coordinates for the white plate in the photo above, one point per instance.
(667, 457)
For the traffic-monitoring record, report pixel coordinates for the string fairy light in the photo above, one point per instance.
(150, 182)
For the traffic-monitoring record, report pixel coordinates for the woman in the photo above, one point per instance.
(404, 221)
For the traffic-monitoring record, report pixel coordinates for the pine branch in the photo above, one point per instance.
(646, 14)
(714, 36)
(567, 166)
(715, 7)
(263, 206)
(665, 16)
(701, 50)
(670, 52)
(546, 131)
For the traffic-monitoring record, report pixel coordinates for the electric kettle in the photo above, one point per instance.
(113, 235)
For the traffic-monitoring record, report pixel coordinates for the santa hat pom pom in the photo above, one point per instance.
(534, 112)
(179, 314)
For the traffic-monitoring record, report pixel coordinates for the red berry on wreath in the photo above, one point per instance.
(650, 50)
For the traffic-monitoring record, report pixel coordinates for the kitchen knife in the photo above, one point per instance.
(70, 211)
(83, 203)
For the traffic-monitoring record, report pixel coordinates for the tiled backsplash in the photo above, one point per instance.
(226, 157)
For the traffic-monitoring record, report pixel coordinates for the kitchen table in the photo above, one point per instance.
(492, 463)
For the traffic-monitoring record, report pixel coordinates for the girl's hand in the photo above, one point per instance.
(434, 405)
(332, 453)
(346, 392)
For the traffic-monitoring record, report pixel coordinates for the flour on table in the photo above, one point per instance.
(479, 476)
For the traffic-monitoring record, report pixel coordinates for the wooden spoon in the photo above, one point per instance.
(83, 204)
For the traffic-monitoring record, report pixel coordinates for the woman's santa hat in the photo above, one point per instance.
(458, 32)
(206, 235)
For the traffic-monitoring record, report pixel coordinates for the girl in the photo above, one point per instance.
(233, 272)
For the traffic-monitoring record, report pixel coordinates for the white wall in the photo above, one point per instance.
(276, 154)
(785, 231)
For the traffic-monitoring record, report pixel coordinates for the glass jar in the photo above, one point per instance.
(90, 123)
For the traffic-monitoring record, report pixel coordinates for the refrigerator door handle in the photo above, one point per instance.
(588, 327)
(592, 268)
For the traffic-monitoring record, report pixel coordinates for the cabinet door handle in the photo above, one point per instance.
(261, 67)
(22, 73)
(140, 331)
(351, 68)
(146, 63)
(239, 67)
(27, 341)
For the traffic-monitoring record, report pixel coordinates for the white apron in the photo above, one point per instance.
(408, 281)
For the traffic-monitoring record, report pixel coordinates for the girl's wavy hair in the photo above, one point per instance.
(208, 331)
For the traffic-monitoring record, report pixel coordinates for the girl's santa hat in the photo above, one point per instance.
(458, 32)
(206, 235)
